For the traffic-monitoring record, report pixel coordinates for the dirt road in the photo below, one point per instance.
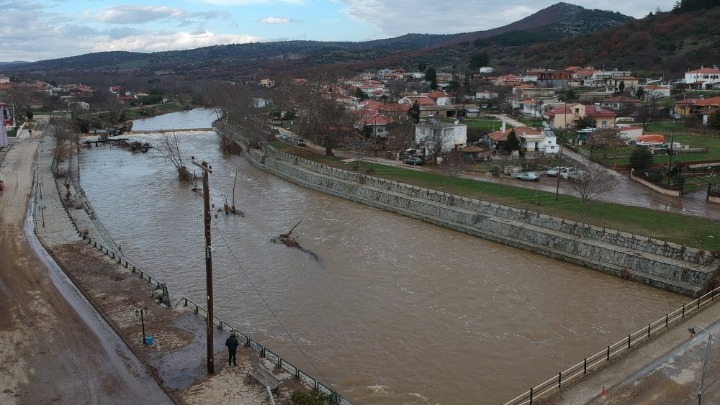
(53, 346)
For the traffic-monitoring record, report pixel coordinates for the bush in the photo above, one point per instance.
(314, 397)
(641, 158)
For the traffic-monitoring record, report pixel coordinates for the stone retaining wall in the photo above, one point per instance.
(665, 265)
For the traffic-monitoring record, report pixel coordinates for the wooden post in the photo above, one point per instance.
(208, 264)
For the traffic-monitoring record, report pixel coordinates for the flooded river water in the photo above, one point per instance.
(394, 311)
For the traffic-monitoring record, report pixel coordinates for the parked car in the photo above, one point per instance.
(555, 171)
(298, 141)
(578, 175)
(566, 173)
(413, 160)
(528, 176)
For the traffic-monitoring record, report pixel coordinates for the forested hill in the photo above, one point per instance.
(243, 60)
(556, 37)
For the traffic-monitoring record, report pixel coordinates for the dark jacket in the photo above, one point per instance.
(232, 343)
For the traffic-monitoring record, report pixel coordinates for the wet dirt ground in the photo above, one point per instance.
(69, 332)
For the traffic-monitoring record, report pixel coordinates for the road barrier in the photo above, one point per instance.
(601, 359)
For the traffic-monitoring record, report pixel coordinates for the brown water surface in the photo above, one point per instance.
(394, 311)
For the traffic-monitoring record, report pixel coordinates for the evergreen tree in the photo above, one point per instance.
(479, 60)
(586, 122)
(714, 120)
(641, 158)
(512, 143)
(414, 113)
(360, 95)
(431, 75)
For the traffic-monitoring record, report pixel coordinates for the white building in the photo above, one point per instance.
(449, 135)
(703, 77)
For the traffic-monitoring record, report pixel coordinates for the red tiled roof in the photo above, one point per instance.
(705, 70)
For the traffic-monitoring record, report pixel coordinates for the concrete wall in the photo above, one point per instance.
(658, 263)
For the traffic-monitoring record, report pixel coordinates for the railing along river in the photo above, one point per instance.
(263, 351)
(599, 360)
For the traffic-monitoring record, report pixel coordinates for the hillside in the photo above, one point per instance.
(659, 44)
(242, 60)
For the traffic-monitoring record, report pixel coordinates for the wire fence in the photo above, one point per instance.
(601, 359)
(263, 351)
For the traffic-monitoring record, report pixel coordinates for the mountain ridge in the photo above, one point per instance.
(242, 60)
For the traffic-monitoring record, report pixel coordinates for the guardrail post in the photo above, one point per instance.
(629, 337)
(608, 353)
(297, 373)
(531, 395)
(585, 366)
(559, 379)
(667, 316)
(683, 311)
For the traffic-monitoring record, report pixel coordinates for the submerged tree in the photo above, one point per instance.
(169, 147)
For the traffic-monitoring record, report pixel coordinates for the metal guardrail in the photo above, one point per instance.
(601, 359)
(249, 342)
(264, 352)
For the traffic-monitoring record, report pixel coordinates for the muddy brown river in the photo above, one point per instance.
(392, 311)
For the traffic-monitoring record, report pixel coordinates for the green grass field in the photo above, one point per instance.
(686, 230)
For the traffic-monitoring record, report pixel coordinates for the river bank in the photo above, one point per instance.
(176, 359)
(669, 266)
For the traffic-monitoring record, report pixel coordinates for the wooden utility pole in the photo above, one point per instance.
(208, 264)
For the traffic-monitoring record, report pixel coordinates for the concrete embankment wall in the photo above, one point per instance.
(658, 263)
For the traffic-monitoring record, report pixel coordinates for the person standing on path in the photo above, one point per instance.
(232, 344)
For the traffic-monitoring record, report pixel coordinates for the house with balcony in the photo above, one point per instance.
(703, 78)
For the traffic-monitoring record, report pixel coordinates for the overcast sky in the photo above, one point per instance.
(32, 30)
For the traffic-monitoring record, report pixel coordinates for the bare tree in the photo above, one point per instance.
(402, 136)
(604, 140)
(321, 118)
(454, 164)
(591, 181)
(169, 147)
(67, 140)
(242, 111)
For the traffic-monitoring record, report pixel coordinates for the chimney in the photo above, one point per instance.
(597, 106)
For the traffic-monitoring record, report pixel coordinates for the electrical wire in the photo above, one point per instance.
(265, 303)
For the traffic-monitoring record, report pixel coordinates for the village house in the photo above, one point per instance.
(619, 103)
(656, 90)
(622, 83)
(267, 82)
(697, 106)
(566, 115)
(485, 95)
(703, 78)
(629, 132)
(7, 117)
(371, 123)
(449, 135)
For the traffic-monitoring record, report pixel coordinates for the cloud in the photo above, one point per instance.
(276, 20)
(159, 42)
(251, 2)
(390, 18)
(137, 14)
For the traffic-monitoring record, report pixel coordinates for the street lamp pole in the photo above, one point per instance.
(142, 312)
